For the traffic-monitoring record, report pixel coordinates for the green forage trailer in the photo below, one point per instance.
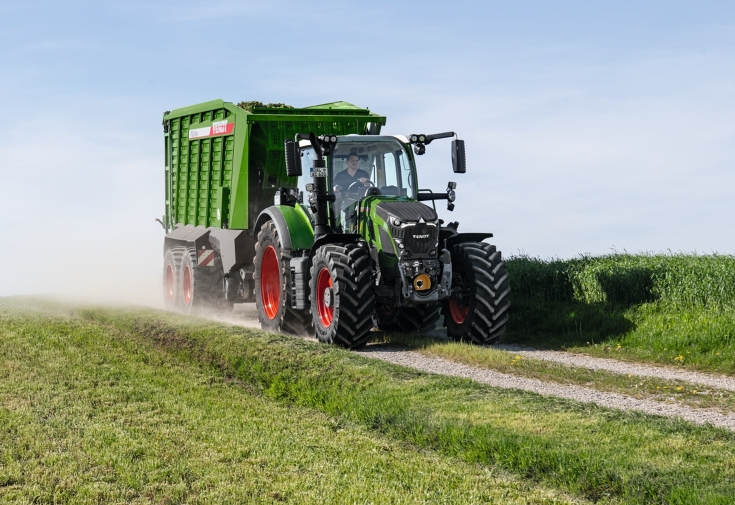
(318, 219)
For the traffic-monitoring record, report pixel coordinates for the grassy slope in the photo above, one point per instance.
(593, 452)
(670, 309)
(90, 414)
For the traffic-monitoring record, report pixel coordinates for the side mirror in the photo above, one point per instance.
(293, 158)
(458, 160)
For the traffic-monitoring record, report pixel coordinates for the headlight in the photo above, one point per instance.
(396, 221)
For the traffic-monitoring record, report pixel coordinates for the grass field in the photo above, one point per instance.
(92, 414)
(673, 309)
(113, 405)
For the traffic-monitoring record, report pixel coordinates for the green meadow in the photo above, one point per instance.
(111, 405)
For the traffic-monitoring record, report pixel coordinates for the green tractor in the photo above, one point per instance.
(325, 227)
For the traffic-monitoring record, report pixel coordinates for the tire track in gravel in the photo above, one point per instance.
(622, 367)
(502, 380)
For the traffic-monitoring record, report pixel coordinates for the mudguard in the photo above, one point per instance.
(336, 238)
(233, 246)
(187, 236)
(461, 238)
(292, 225)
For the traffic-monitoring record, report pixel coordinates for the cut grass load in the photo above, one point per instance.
(673, 309)
(595, 453)
(89, 414)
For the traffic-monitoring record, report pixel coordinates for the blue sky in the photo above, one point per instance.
(589, 125)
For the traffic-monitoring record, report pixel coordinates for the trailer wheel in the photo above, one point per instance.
(341, 295)
(201, 288)
(419, 319)
(477, 312)
(171, 275)
(272, 279)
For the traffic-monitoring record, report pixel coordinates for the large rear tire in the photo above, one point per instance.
(420, 319)
(171, 278)
(342, 294)
(272, 278)
(201, 288)
(478, 313)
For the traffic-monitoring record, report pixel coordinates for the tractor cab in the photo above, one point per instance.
(362, 166)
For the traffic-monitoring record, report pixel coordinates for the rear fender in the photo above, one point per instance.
(292, 225)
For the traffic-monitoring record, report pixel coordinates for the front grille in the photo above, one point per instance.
(418, 238)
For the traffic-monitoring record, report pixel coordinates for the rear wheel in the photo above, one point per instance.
(342, 295)
(477, 312)
(272, 279)
(201, 288)
(171, 274)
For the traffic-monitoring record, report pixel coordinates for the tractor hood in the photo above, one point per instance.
(406, 211)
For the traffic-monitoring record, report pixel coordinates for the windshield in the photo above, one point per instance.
(367, 166)
(382, 162)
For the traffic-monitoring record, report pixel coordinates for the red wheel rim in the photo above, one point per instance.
(325, 298)
(458, 312)
(187, 284)
(270, 283)
(169, 282)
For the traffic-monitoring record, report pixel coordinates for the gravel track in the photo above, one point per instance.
(496, 379)
(623, 368)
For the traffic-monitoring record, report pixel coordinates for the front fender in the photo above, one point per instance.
(461, 238)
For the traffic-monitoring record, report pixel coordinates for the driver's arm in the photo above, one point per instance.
(339, 180)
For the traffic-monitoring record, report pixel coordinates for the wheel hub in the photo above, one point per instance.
(270, 283)
(325, 298)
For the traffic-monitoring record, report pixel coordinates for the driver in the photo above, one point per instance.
(353, 174)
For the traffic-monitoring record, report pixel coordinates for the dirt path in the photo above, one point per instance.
(624, 368)
(497, 379)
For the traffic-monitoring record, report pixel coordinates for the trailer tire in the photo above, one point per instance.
(420, 319)
(480, 313)
(201, 288)
(272, 279)
(341, 294)
(171, 277)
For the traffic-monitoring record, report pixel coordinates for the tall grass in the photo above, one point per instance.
(669, 308)
(683, 280)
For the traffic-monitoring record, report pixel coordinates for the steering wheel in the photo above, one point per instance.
(356, 190)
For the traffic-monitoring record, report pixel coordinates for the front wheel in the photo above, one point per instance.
(477, 312)
(342, 295)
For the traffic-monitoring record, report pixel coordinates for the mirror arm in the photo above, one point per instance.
(435, 136)
(422, 197)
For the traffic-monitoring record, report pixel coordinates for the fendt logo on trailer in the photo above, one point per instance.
(217, 128)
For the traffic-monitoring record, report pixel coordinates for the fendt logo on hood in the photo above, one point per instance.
(421, 236)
